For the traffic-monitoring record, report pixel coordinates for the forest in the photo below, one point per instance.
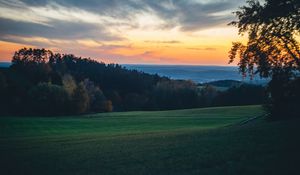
(40, 82)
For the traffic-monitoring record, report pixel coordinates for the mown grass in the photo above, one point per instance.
(196, 141)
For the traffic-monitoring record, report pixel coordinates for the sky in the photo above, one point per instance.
(193, 32)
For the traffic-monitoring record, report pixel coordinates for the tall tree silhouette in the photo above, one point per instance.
(272, 49)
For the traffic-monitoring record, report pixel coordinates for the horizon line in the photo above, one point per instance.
(154, 64)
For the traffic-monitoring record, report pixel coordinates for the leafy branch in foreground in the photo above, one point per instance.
(272, 49)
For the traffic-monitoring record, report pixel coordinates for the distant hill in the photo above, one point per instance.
(5, 64)
(197, 73)
(224, 83)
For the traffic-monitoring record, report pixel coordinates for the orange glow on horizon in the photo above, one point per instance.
(209, 47)
(159, 32)
(7, 49)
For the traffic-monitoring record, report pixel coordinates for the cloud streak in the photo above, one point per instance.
(188, 15)
(203, 49)
(163, 42)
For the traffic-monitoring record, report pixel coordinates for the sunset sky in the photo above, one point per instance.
(122, 31)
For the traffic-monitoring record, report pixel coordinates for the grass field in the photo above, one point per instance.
(195, 141)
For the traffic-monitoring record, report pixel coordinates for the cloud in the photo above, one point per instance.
(56, 30)
(163, 42)
(202, 49)
(190, 15)
(111, 47)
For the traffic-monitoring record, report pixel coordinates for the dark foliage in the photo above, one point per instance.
(224, 83)
(245, 94)
(175, 94)
(272, 49)
(80, 99)
(285, 99)
(40, 82)
(48, 99)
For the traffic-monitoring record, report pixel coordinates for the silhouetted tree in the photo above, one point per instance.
(69, 84)
(245, 94)
(272, 49)
(33, 63)
(207, 94)
(3, 83)
(116, 99)
(96, 97)
(135, 101)
(3, 93)
(175, 94)
(108, 107)
(80, 99)
(48, 99)
(31, 56)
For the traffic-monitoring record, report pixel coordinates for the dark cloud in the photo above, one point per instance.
(189, 14)
(114, 8)
(193, 16)
(113, 46)
(55, 30)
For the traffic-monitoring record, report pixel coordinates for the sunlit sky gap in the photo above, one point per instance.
(123, 31)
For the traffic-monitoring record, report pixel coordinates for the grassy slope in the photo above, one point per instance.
(166, 142)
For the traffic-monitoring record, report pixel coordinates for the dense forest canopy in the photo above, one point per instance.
(40, 82)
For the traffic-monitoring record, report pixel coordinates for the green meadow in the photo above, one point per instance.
(194, 141)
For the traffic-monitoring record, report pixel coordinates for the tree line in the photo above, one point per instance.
(40, 82)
